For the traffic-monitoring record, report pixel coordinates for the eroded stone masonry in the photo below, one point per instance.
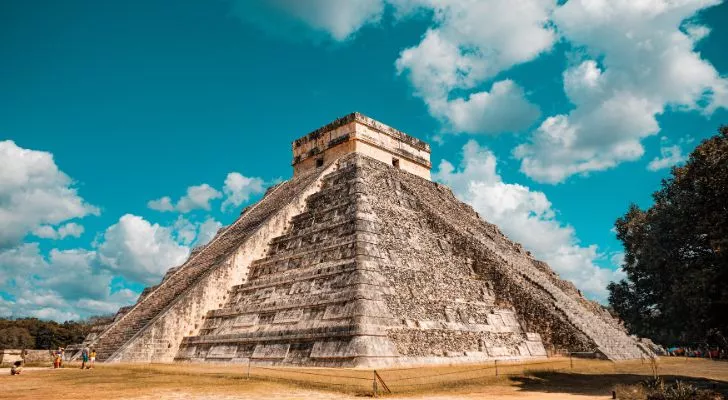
(360, 260)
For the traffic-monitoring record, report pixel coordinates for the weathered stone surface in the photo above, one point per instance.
(361, 263)
(10, 356)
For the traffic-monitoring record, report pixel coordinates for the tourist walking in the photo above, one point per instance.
(92, 358)
(57, 358)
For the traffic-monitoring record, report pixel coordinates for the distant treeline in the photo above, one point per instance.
(32, 333)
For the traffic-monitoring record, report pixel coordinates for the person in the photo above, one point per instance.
(84, 357)
(57, 355)
(92, 358)
(17, 368)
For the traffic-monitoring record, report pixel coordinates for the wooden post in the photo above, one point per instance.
(374, 383)
(496, 367)
(248, 377)
(571, 360)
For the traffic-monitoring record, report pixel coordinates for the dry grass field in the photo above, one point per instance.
(553, 379)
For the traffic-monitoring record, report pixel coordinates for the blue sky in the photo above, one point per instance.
(131, 131)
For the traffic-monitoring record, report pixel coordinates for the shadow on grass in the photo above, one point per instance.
(601, 384)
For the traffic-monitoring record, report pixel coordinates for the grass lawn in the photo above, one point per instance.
(553, 379)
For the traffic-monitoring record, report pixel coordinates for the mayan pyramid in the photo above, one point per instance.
(360, 260)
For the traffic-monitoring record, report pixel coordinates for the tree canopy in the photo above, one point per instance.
(32, 333)
(676, 253)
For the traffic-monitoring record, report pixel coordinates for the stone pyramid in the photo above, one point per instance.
(361, 260)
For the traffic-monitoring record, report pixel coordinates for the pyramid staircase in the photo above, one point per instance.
(156, 301)
(324, 292)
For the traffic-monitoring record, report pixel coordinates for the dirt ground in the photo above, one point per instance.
(554, 379)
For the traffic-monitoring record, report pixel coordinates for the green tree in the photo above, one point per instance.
(16, 337)
(676, 253)
(32, 333)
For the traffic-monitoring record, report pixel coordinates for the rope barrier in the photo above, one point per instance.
(312, 373)
(514, 367)
(439, 383)
(448, 373)
(323, 383)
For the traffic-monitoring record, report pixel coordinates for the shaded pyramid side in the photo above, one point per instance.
(543, 303)
(346, 286)
(447, 312)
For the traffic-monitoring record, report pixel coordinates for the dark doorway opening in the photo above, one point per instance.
(319, 162)
(395, 162)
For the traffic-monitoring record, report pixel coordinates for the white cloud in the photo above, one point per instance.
(238, 189)
(648, 66)
(34, 193)
(669, 156)
(54, 314)
(68, 284)
(161, 204)
(337, 19)
(45, 232)
(697, 32)
(184, 230)
(71, 229)
(64, 284)
(526, 216)
(54, 287)
(504, 109)
(139, 250)
(469, 43)
(207, 231)
(197, 197)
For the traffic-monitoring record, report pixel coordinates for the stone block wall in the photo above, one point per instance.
(363, 135)
(35, 357)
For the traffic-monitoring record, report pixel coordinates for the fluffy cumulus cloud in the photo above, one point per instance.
(637, 60)
(77, 283)
(206, 231)
(64, 285)
(336, 19)
(197, 198)
(469, 43)
(669, 156)
(503, 109)
(70, 229)
(192, 233)
(139, 250)
(647, 65)
(238, 189)
(35, 196)
(528, 217)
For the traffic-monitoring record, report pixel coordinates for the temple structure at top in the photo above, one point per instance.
(357, 133)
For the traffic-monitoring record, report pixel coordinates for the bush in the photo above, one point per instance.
(657, 389)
